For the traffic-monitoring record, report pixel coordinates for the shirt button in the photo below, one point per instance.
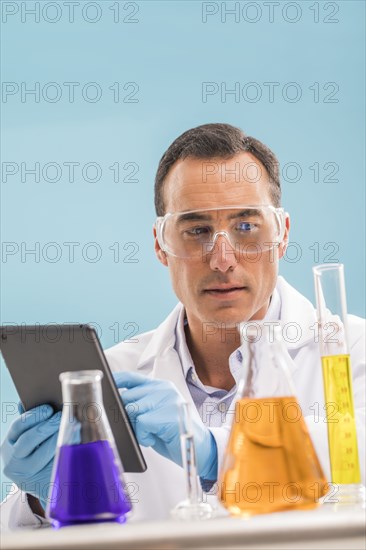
(222, 407)
(194, 377)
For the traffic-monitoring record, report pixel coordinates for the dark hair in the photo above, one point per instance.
(220, 141)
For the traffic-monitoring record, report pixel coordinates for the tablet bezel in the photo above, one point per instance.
(35, 355)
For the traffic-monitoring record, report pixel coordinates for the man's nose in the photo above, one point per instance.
(223, 255)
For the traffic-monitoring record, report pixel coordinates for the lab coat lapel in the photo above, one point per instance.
(163, 339)
(169, 367)
(298, 316)
(161, 360)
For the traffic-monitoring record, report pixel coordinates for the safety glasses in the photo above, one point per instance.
(246, 229)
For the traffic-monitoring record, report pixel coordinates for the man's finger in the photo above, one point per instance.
(130, 379)
(144, 438)
(28, 441)
(134, 395)
(27, 420)
(43, 455)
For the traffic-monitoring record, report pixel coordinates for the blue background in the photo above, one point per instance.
(169, 52)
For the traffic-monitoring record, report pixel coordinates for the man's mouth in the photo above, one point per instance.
(225, 290)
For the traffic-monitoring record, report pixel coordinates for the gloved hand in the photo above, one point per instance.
(29, 448)
(153, 409)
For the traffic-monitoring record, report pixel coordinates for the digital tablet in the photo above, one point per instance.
(36, 355)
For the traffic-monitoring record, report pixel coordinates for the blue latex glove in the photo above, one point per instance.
(29, 448)
(153, 409)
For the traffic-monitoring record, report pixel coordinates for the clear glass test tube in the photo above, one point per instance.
(192, 508)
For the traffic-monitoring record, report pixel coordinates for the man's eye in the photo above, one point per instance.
(197, 231)
(246, 227)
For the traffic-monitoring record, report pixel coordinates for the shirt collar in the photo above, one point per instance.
(235, 359)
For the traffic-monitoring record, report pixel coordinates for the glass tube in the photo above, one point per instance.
(192, 508)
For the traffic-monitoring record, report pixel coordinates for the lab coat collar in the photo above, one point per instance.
(161, 355)
(297, 317)
(163, 338)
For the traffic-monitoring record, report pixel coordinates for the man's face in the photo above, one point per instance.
(196, 183)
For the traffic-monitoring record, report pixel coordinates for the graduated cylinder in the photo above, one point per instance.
(337, 375)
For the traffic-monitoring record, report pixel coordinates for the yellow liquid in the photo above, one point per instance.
(341, 423)
(270, 463)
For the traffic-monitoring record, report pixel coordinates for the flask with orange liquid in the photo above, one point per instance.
(270, 463)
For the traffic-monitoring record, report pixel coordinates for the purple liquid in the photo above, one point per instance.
(87, 485)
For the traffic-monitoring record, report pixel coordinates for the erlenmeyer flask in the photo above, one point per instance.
(270, 462)
(87, 483)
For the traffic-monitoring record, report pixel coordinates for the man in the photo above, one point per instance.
(221, 233)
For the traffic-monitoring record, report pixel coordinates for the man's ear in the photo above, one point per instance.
(284, 243)
(160, 254)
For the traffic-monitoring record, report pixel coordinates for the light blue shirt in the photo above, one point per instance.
(213, 403)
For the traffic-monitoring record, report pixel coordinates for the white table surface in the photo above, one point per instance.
(323, 528)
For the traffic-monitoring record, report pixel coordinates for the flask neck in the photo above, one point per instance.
(266, 364)
(81, 395)
(83, 409)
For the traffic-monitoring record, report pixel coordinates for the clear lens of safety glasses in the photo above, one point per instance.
(246, 230)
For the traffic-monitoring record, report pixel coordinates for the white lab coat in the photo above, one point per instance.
(157, 490)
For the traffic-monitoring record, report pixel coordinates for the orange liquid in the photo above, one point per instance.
(270, 463)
